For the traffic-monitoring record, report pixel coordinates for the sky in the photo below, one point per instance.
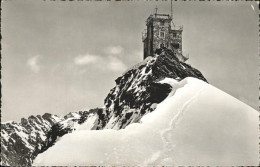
(60, 57)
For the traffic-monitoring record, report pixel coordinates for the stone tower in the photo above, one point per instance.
(160, 33)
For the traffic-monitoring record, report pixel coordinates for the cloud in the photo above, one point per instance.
(114, 50)
(86, 59)
(33, 63)
(115, 64)
(101, 63)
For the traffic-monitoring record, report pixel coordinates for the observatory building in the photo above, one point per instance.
(162, 33)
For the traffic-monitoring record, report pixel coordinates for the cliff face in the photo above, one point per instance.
(22, 142)
(136, 93)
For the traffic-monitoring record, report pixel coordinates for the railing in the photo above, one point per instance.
(177, 27)
(176, 39)
(163, 16)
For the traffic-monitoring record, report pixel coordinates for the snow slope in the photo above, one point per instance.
(197, 124)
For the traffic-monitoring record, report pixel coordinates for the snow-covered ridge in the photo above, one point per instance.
(197, 124)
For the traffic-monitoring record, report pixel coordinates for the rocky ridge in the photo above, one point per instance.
(22, 142)
(138, 91)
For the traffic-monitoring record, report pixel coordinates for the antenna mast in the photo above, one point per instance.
(171, 9)
(156, 9)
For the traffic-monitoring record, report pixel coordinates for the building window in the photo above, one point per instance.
(161, 45)
(162, 34)
(174, 35)
(162, 23)
(175, 45)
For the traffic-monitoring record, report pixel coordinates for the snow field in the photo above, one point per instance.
(197, 124)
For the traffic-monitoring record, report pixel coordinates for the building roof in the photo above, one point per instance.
(158, 16)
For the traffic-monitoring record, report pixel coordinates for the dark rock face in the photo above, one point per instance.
(22, 142)
(137, 92)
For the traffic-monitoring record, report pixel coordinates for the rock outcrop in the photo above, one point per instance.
(137, 92)
(22, 142)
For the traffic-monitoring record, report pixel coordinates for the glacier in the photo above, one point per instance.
(197, 124)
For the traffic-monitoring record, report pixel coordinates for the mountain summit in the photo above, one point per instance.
(137, 92)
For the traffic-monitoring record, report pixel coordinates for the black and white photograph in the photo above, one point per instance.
(129, 83)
